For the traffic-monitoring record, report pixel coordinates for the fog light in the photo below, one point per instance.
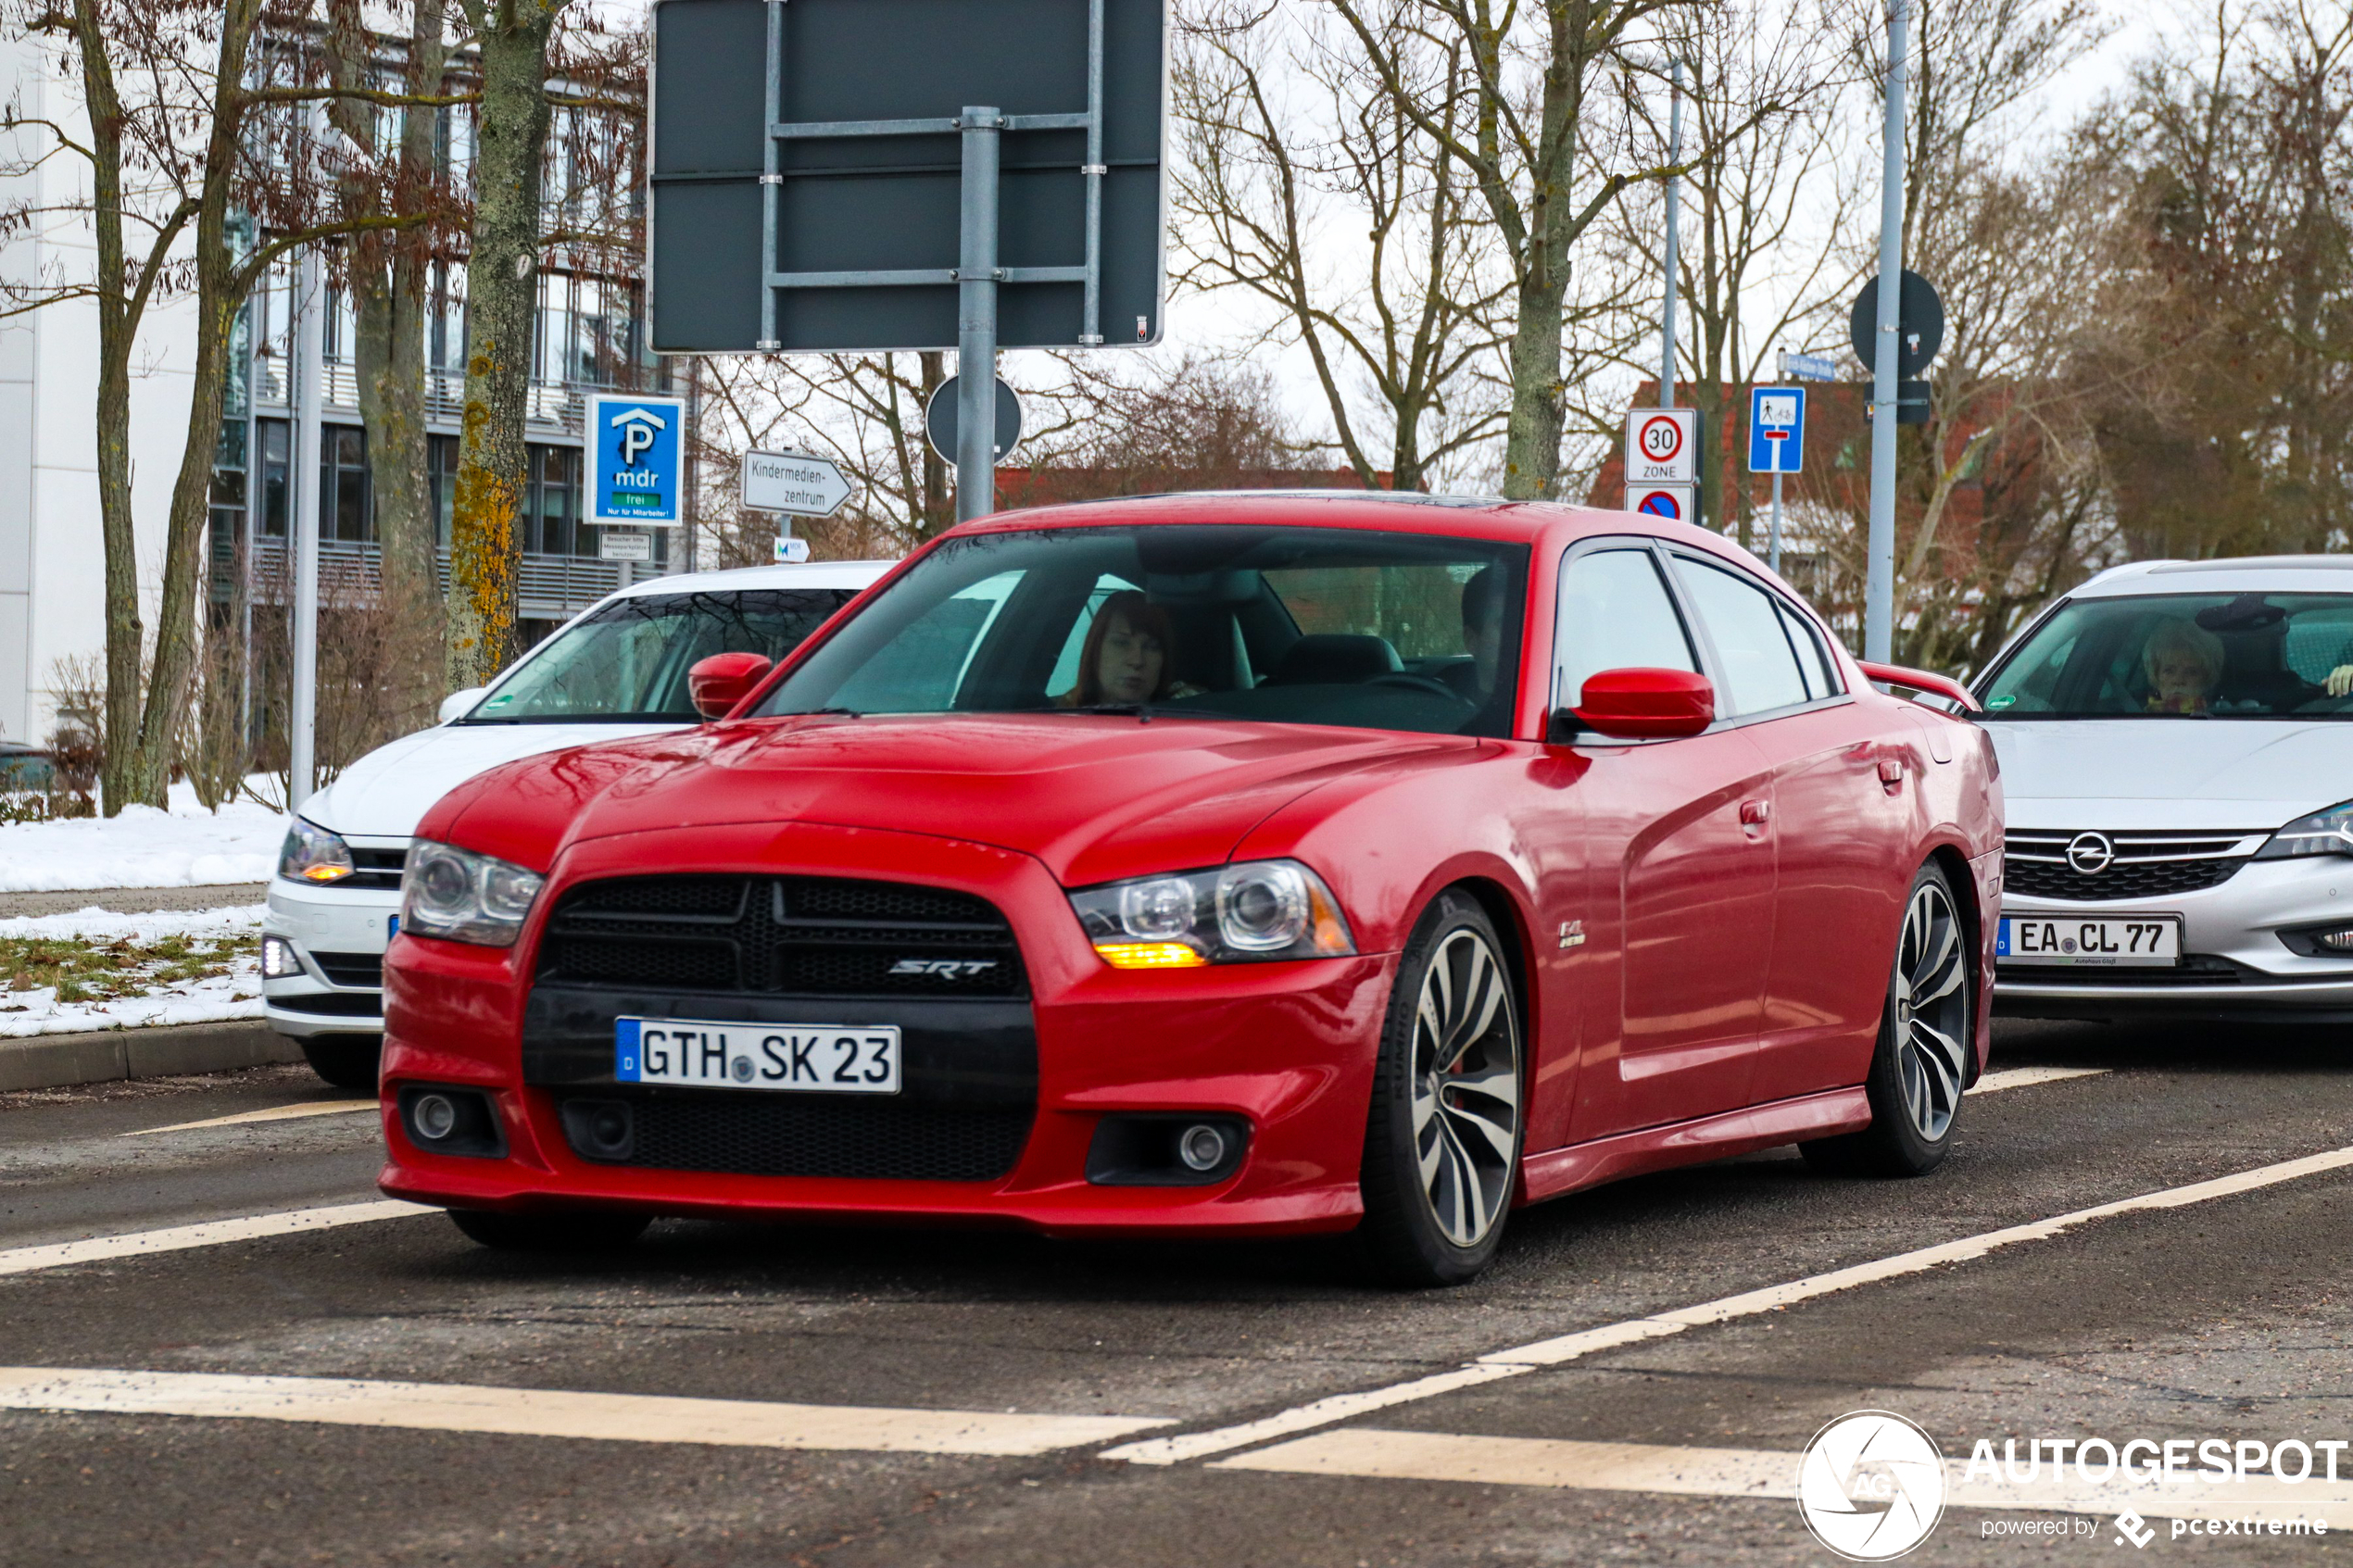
(600, 1129)
(277, 960)
(1202, 1147)
(433, 1116)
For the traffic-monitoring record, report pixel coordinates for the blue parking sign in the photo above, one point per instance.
(635, 450)
(1776, 428)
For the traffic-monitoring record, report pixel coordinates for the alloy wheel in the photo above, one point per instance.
(1466, 1087)
(1931, 1010)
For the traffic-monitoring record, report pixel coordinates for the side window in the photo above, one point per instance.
(1814, 660)
(922, 670)
(1613, 615)
(1760, 667)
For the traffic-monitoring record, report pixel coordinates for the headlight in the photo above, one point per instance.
(2322, 832)
(1253, 911)
(462, 896)
(312, 853)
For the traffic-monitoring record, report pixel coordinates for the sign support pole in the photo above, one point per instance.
(302, 458)
(1878, 590)
(976, 320)
(1773, 536)
(1674, 203)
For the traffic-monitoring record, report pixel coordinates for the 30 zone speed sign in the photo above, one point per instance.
(1662, 446)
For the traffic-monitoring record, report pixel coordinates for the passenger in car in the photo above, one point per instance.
(1125, 657)
(2183, 663)
(1483, 635)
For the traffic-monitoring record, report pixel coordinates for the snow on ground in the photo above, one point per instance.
(236, 994)
(186, 846)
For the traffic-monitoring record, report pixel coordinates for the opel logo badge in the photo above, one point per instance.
(2089, 853)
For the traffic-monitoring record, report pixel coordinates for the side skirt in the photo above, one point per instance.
(1558, 1171)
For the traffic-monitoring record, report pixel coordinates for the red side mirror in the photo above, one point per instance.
(717, 684)
(1638, 704)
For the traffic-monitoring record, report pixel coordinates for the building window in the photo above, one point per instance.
(441, 478)
(273, 437)
(554, 527)
(343, 512)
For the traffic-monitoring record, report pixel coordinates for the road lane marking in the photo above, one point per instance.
(1554, 1351)
(1373, 1453)
(275, 1114)
(545, 1412)
(2020, 1077)
(211, 1233)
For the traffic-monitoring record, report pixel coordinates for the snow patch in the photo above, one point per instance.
(186, 846)
(233, 995)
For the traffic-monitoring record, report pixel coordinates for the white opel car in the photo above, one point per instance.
(2176, 743)
(618, 669)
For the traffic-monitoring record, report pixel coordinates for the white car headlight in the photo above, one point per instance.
(1254, 910)
(312, 853)
(2322, 832)
(462, 897)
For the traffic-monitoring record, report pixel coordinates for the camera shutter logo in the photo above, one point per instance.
(1872, 1486)
(2089, 853)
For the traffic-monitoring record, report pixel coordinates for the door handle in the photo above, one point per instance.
(1756, 813)
(1890, 775)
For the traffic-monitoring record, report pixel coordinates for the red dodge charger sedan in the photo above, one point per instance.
(1212, 864)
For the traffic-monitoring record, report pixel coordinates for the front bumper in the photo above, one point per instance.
(339, 936)
(1285, 1047)
(2236, 966)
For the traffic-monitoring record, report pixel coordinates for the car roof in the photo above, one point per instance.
(2237, 575)
(810, 574)
(1482, 517)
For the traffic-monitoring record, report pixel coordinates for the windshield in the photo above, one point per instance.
(628, 661)
(2185, 655)
(1287, 625)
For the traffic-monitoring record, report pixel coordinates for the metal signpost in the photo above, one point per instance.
(1776, 446)
(310, 292)
(873, 175)
(1879, 580)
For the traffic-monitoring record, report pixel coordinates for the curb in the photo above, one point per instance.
(53, 1062)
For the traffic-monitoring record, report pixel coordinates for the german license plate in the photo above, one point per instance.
(836, 1059)
(2110, 942)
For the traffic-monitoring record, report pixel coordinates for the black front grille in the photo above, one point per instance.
(334, 1004)
(376, 868)
(2124, 879)
(351, 968)
(826, 936)
(846, 1136)
(2195, 969)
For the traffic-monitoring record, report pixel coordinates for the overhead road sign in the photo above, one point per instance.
(1920, 331)
(637, 447)
(1680, 502)
(1776, 428)
(795, 482)
(1662, 446)
(940, 419)
(806, 163)
(1810, 367)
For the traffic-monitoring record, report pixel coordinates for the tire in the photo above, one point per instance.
(1443, 1142)
(551, 1232)
(349, 1061)
(1927, 1037)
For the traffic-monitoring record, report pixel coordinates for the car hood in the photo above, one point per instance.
(2187, 773)
(1095, 798)
(388, 792)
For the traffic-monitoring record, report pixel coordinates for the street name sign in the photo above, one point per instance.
(1810, 367)
(1662, 446)
(1680, 502)
(794, 483)
(636, 452)
(1776, 428)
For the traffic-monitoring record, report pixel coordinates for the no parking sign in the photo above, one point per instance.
(1676, 501)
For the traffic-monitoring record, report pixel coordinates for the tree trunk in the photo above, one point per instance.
(1532, 439)
(502, 294)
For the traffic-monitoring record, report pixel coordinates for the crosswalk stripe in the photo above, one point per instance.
(1379, 1454)
(2024, 1077)
(211, 1233)
(544, 1412)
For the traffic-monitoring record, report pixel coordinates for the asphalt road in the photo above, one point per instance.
(2222, 1314)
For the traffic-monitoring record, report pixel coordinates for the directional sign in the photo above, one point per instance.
(636, 444)
(1662, 446)
(793, 552)
(794, 483)
(1810, 367)
(1680, 502)
(1776, 428)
